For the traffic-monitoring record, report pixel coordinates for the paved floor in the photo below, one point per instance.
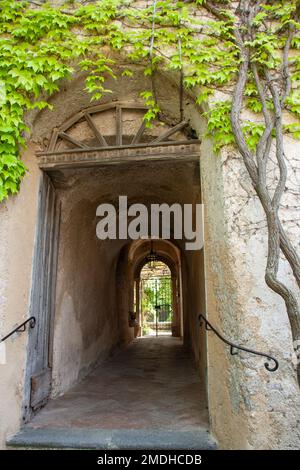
(153, 384)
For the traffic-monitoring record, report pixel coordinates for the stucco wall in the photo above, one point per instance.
(194, 300)
(86, 321)
(17, 233)
(249, 406)
(271, 401)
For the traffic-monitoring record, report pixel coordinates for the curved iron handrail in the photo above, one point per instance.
(21, 328)
(234, 346)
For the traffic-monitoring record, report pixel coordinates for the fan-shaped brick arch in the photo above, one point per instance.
(116, 124)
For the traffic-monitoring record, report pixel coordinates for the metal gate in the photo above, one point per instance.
(157, 312)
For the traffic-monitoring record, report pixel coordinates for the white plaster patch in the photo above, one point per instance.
(2, 354)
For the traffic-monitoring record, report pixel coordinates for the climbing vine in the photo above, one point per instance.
(240, 57)
(40, 45)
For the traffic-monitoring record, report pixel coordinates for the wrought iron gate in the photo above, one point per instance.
(156, 305)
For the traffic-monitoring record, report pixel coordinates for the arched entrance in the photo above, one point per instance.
(98, 306)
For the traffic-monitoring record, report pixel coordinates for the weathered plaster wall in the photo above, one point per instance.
(17, 233)
(86, 322)
(229, 423)
(271, 401)
(249, 407)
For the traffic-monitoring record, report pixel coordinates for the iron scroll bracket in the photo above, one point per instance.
(234, 347)
(21, 328)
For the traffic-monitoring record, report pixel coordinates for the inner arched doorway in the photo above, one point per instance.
(150, 281)
(156, 305)
(157, 287)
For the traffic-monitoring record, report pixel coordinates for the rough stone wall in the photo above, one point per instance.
(271, 401)
(249, 407)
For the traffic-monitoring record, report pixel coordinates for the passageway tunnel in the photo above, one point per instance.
(90, 362)
(96, 278)
(105, 381)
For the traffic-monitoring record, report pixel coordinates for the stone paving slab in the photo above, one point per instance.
(102, 439)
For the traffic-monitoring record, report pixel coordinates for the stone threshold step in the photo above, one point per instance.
(105, 439)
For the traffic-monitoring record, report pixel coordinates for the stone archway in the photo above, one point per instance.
(95, 278)
(82, 164)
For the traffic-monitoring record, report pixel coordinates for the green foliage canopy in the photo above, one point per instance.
(40, 45)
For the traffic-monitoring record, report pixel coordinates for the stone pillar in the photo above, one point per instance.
(176, 316)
